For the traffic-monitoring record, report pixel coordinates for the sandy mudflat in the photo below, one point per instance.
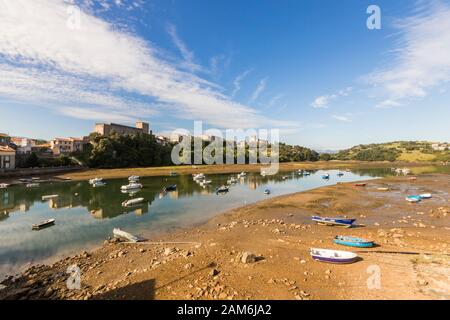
(413, 255)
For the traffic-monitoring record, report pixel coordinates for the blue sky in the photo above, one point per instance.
(310, 68)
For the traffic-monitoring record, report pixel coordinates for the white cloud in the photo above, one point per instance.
(259, 89)
(421, 56)
(237, 82)
(275, 99)
(187, 55)
(342, 118)
(99, 68)
(388, 104)
(325, 100)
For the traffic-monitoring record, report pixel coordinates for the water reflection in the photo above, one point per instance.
(85, 216)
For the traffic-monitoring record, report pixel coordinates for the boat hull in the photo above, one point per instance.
(353, 242)
(334, 221)
(334, 260)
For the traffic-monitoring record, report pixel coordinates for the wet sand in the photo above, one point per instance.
(205, 262)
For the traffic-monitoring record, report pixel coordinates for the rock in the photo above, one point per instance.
(169, 251)
(328, 272)
(214, 272)
(188, 266)
(142, 250)
(422, 282)
(248, 257)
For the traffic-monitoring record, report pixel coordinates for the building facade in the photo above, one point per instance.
(106, 129)
(7, 157)
(67, 145)
(24, 145)
(5, 139)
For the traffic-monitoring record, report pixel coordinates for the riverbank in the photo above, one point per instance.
(232, 168)
(205, 262)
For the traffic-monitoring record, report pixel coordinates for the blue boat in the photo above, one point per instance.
(267, 191)
(334, 221)
(353, 242)
(413, 199)
(326, 176)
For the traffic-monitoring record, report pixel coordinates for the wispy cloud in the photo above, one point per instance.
(388, 104)
(237, 82)
(421, 56)
(259, 89)
(325, 100)
(99, 70)
(275, 100)
(188, 56)
(341, 118)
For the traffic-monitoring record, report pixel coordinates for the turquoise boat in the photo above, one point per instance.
(353, 242)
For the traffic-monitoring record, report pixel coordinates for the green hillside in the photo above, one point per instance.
(409, 151)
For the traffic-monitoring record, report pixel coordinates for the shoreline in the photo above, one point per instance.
(269, 228)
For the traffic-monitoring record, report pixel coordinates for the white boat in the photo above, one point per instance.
(118, 233)
(426, 196)
(205, 182)
(99, 184)
(242, 174)
(43, 224)
(51, 196)
(131, 186)
(4, 185)
(198, 177)
(132, 202)
(232, 180)
(134, 178)
(333, 256)
(95, 180)
(32, 185)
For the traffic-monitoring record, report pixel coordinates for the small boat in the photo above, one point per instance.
(426, 196)
(242, 174)
(306, 173)
(362, 184)
(353, 242)
(98, 184)
(263, 173)
(383, 189)
(205, 182)
(340, 174)
(284, 177)
(43, 224)
(333, 256)
(52, 196)
(4, 185)
(267, 191)
(134, 178)
(95, 180)
(222, 189)
(326, 176)
(32, 185)
(118, 233)
(232, 180)
(413, 199)
(334, 221)
(199, 176)
(132, 202)
(131, 186)
(170, 188)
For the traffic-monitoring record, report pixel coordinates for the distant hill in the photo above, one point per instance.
(409, 151)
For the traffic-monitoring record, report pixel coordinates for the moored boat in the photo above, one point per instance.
(95, 180)
(4, 185)
(333, 256)
(326, 176)
(52, 196)
(353, 242)
(132, 202)
(426, 196)
(334, 221)
(222, 189)
(43, 224)
(131, 186)
(98, 184)
(340, 174)
(32, 185)
(118, 233)
(360, 184)
(134, 178)
(413, 199)
(170, 188)
(267, 191)
(383, 189)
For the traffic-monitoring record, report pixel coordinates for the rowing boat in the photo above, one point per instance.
(132, 202)
(118, 233)
(353, 242)
(334, 221)
(333, 256)
(413, 199)
(43, 224)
